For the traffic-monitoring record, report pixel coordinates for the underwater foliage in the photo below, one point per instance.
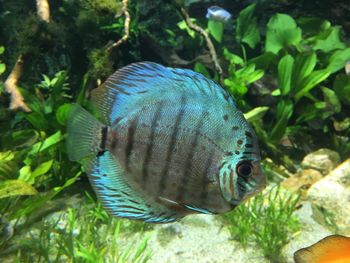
(266, 220)
(83, 234)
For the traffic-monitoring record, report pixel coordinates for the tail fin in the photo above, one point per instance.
(85, 134)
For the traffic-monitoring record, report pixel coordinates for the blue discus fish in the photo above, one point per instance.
(217, 13)
(169, 143)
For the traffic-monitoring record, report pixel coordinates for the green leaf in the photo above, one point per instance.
(303, 66)
(84, 86)
(43, 168)
(2, 68)
(25, 173)
(41, 146)
(338, 60)
(247, 30)
(183, 26)
(254, 76)
(2, 50)
(6, 156)
(285, 69)
(199, 67)
(331, 99)
(283, 114)
(15, 188)
(330, 42)
(282, 31)
(256, 113)
(341, 125)
(311, 81)
(342, 88)
(31, 204)
(263, 61)
(216, 29)
(37, 119)
(313, 25)
(62, 113)
(276, 93)
(233, 58)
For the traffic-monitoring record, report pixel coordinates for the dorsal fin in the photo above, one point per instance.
(132, 84)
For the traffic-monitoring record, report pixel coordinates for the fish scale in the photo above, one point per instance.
(176, 165)
(174, 143)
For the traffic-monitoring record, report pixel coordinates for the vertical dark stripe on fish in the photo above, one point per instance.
(169, 154)
(189, 159)
(103, 138)
(150, 145)
(204, 193)
(130, 141)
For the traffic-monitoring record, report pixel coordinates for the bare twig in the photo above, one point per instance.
(17, 100)
(43, 10)
(126, 27)
(210, 45)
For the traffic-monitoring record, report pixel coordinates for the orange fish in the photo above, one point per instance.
(331, 249)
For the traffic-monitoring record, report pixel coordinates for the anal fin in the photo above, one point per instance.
(120, 199)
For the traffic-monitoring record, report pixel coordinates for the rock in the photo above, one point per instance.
(330, 198)
(167, 233)
(310, 233)
(302, 181)
(323, 160)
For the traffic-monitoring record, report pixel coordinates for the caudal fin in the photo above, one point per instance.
(85, 134)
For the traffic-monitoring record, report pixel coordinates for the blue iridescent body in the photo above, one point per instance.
(170, 143)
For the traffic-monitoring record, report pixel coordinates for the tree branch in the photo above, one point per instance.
(17, 100)
(210, 45)
(43, 10)
(126, 27)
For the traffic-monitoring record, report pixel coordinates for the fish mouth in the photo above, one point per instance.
(235, 202)
(257, 189)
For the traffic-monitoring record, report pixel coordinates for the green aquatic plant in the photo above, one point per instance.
(266, 220)
(2, 68)
(86, 234)
(305, 56)
(32, 151)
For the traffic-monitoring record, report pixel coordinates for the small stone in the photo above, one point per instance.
(302, 181)
(323, 160)
(167, 232)
(330, 198)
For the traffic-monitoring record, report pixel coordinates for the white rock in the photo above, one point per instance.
(332, 195)
(323, 160)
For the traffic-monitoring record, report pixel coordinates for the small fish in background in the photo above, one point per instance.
(331, 249)
(347, 68)
(218, 14)
(170, 143)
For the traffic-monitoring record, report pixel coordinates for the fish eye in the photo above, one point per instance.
(244, 169)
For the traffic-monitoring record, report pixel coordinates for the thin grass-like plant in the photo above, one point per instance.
(266, 220)
(87, 235)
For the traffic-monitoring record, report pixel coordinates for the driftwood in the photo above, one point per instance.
(43, 10)
(126, 27)
(210, 44)
(17, 100)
